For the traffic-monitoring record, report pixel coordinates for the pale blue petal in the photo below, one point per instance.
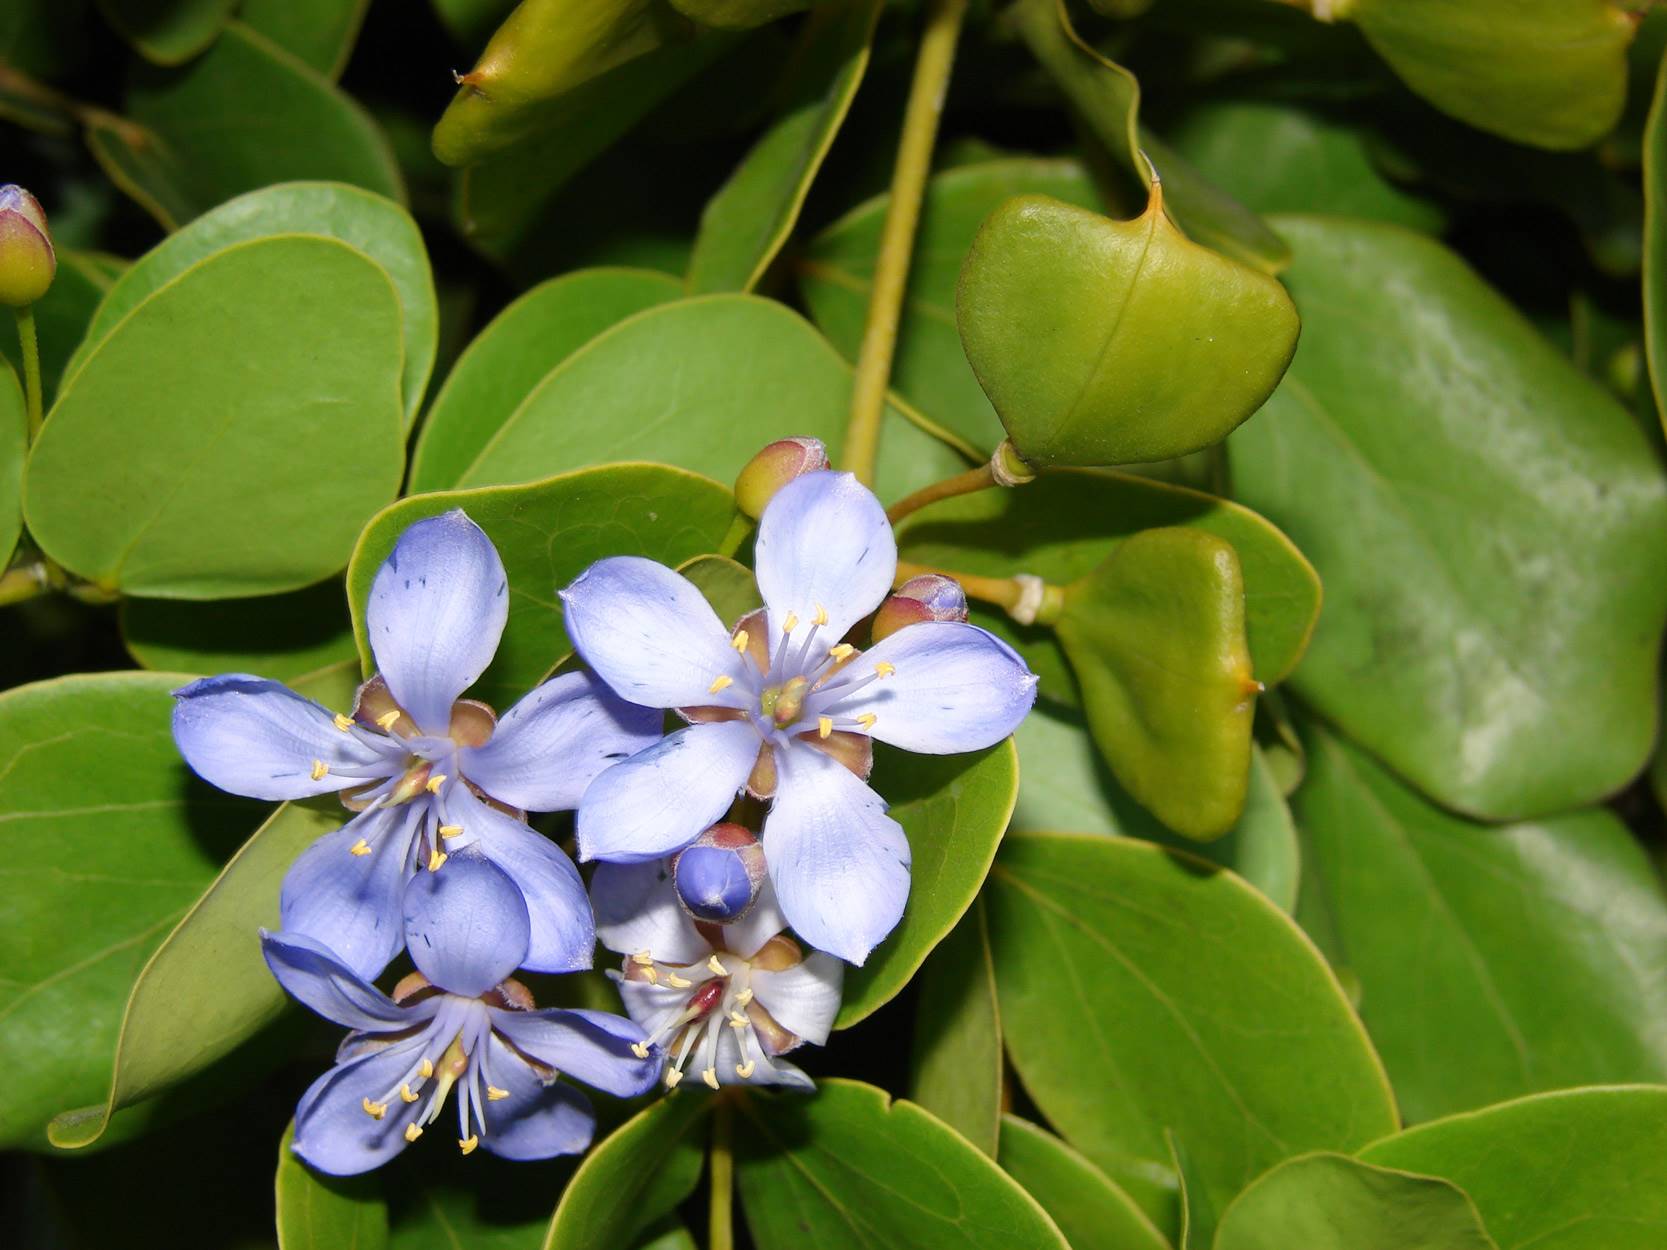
(590, 1046)
(652, 636)
(803, 999)
(637, 910)
(435, 614)
(550, 745)
(351, 903)
(758, 926)
(259, 738)
(466, 925)
(824, 543)
(312, 974)
(660, 800)
(955, 687)
(332, 1131)
(537, 1120)
(840, 865)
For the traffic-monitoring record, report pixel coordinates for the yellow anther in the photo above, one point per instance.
(387, 719)
(718, 683)
(676, 982)
(673, 1076)
(821, 617)
(450, 831)
(361, 847)
(374, 1110)
(743, 998)
(843, 651)
(427, 1069)
(824, 726)
(643, 957)
(639, 1050)
(741, 639)
(343, 723)
(494, 1094)
(884, 669)
(436, 859)
(412, 1132)
(319, 769)
(736, 1018)
(745, 1070)
(467, 1144)
(435, 782)
(405, 1094)
(867, 719)
(791, 623)
(651, 974)
(710, 1076)
(717, 968)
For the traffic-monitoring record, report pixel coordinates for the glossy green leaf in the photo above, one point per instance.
(447, 1202)
(63, 314)
(1333, 1202)
(737, 14)
(207, 988)
(506, 360)
(701, 383)
(14, 449)
(1280, 158)
(931, 371)
(1500, 935)
(275, 120)
(850, 1167)
(232, 478)
(168, 32)
(547, 533)
(1439, 469)
(1092, 1212)
(1111, 342)
(1143, 990)
(957, 1046)
(954, 809)
(1065, 524)
(1655, 243)
(1546, 72)
(1156, 638)
(369, 223)
(634, 1176)
(728, 586)
(107, 842)
(319, 1212)
(1107, 97)
(1575, 1170)
(319, 33)
(747, 222)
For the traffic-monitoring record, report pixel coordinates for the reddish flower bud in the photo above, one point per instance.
(774, 467)
(929, 597)
(27, 261)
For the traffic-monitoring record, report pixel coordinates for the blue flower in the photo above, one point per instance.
(458, 1028)
(725, 1000)
(784, 708)
(428, 773)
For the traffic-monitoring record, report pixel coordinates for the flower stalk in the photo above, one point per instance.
(720, 1228)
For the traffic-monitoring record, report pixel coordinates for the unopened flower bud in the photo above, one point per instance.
(929, 597)
(27, 261)
(774, 467)
(719, 873)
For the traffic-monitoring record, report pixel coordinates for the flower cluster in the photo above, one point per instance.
(437, 859)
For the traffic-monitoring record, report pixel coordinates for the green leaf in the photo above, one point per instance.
(14, 449)
(1500, 935)
(1111, 342)
(1280, 158)
(1107, 96)
(1574, 1170)
(931, 371)
(168, 32)
(319, 1212)
(375, 226)
(64, 312)
(751, 216)
(957, 1045)
(319, 33)
(1655, 243)
(1143, 990)
(230, 480)
(1156, 638)
(701, 383)
(850, 1167)
(954, 809)
(275, 120)
(107, 841)
(1551, 73)
(1092, 1212)
(1332, 1202)
(634, 1176)
(447, 1202)
(1065, 524)
(506, 361)
(728, 586)
(547, 533)
(207, 988)
(1439, 469)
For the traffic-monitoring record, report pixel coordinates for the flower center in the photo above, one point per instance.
(783, 703)
(458, 1064)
